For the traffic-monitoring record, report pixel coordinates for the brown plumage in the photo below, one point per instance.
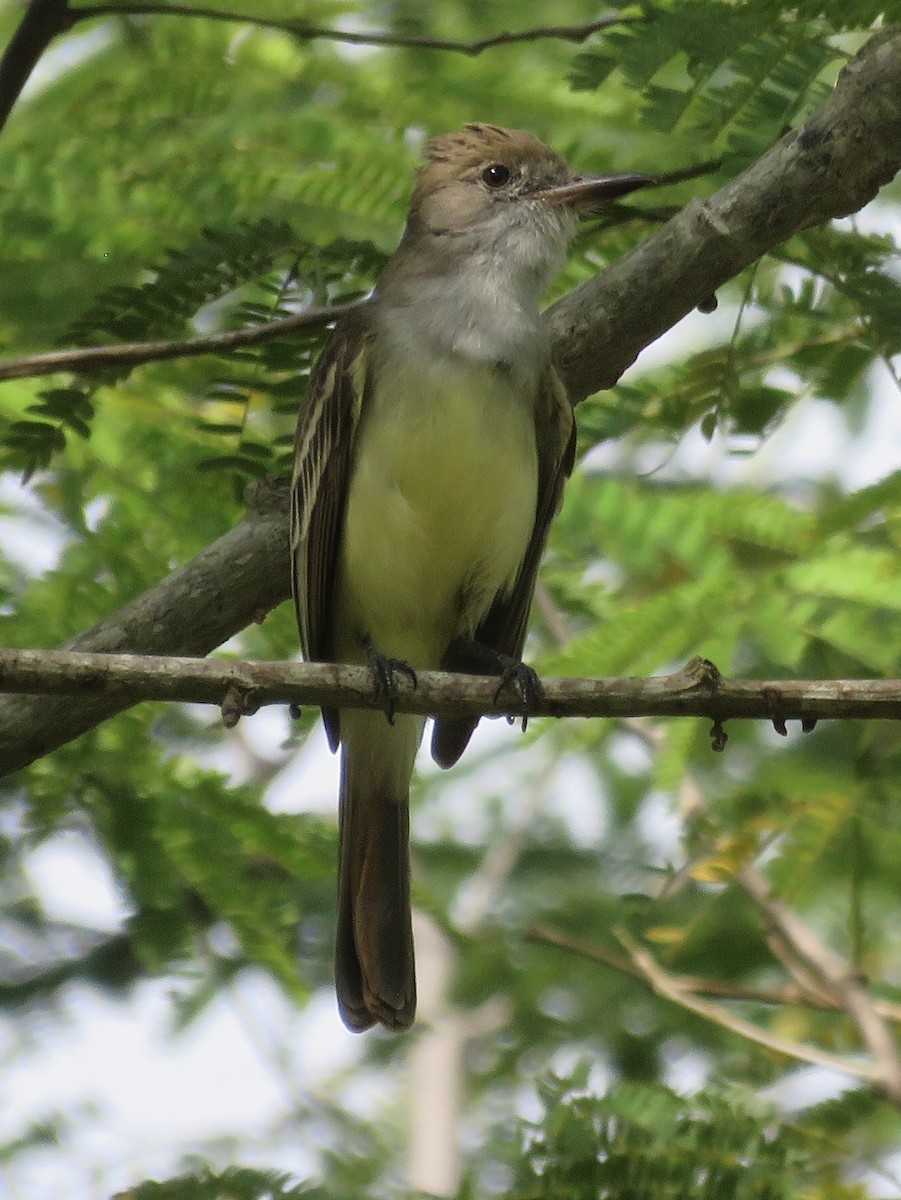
(430, 460)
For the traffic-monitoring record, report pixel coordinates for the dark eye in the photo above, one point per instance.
(496, 175)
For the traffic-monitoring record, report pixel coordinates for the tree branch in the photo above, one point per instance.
(304, 31)
(717, 989)
(85, 359)
(228, 585)
(43, 21)
(837, 976)
(698, 690)
(649, 971)
(831, 166)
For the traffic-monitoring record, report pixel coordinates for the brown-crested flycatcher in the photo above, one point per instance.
(430, 460)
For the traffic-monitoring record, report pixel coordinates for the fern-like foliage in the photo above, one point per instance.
(236, 1183)
(648, 1143)
(735, 74)
(230, 278)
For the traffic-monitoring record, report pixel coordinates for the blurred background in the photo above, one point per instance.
(167, 886)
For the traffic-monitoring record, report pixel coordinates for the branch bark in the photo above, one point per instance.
(234, 581)
(106, 682)
(830, 167)
(698, 690)
(43, 21)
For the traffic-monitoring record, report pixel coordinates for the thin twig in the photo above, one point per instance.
(134, 354)
(307, 32)
(836, 975)
(660, 981)
(709, 988)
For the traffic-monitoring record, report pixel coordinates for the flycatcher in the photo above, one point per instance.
(430, 460)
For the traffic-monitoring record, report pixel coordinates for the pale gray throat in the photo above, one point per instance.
(473, 300)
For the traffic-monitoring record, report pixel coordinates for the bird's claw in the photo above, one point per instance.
(385, 672)
(524, 681)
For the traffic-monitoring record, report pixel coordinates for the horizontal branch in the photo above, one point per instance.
(85, 359)
(231, 583)
(304, 31)
(244, 686)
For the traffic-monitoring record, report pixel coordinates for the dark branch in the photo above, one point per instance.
(830, 167)
(304, 31)
(43, 21)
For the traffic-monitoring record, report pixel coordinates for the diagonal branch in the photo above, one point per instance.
(649, 971)
(830, 167)
(711, 989)
(43, 21)
(837, 976)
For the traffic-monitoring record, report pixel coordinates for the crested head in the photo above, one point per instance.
(471, 176)
(477, 147)
(486, 175)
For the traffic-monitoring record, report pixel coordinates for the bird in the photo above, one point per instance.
(430, 458)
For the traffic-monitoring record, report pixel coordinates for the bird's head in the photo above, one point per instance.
(488, 176)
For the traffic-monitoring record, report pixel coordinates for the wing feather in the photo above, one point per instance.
(323, 459)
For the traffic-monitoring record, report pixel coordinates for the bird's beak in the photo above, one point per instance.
(588, 191)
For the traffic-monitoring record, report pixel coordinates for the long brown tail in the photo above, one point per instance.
(374, 968)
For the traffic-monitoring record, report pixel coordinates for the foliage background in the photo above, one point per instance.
(171, 174)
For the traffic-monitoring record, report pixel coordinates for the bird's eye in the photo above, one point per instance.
(496, 175)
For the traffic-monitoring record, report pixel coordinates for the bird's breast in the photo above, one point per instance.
(441, 505)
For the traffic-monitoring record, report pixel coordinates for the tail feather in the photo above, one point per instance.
(374, 967)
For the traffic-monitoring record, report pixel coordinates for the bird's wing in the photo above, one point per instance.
(503, 630)
(323, 456)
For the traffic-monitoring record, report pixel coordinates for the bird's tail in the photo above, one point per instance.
(374, 969)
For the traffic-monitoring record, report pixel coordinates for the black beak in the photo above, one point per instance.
(588, 191)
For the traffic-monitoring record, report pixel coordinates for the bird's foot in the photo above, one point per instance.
(386, 673)
(523, 680)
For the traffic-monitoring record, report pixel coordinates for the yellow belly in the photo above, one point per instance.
(440, 511)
